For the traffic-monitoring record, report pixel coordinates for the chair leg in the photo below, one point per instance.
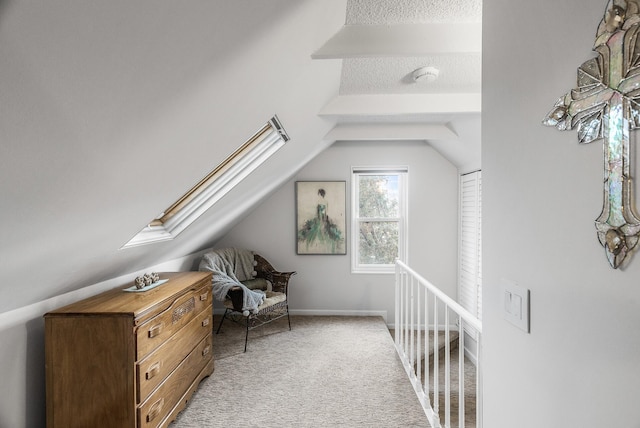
(222, 320)
(288, 318)
(246, 336)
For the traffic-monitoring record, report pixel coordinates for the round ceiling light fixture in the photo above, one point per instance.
(425, 74)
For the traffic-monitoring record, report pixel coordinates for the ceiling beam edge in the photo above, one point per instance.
(365, 41)
(398, 104)
(390, 132)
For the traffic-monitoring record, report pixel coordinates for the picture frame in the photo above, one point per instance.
(321, 220)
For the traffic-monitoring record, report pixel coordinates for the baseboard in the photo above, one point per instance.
(472, 357)
(326, 312)
(471, 349)
(336, 312)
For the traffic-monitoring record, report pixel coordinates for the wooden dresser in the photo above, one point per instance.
(129, 359)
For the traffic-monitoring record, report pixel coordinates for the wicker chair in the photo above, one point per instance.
(275, 305)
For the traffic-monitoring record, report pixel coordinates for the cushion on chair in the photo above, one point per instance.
(256, 284)
(272, 298)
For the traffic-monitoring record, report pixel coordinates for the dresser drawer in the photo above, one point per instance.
(179, 313)
(154, 368)
(168, 394)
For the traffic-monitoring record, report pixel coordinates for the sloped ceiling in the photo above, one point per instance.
(111, 110)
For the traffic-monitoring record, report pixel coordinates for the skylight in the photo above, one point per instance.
(214, 186)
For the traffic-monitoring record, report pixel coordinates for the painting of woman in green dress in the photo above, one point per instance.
(321, 217)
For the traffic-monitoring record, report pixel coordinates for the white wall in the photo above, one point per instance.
(111, 110)
(325, 284)
(580, 365)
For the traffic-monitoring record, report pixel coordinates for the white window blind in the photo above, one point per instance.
(470, 257)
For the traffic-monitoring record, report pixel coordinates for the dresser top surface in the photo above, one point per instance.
(119, 302)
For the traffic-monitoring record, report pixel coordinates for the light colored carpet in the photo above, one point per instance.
(325, 372)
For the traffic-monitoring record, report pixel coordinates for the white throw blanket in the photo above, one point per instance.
(230, 266)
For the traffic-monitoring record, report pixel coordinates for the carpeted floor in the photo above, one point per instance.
(327, 371)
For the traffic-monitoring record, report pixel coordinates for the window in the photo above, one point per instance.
(379, 220)
(470, 258)
(214, 186)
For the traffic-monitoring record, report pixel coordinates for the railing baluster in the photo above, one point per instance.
(410, 320)
(436, 359)
(399, 326)
(418, 341)
(461, 403)
(400, 309)
(406, 315)
(427, 340)
(397, 306)
(447, 369)
(479, 381)
(412, 325)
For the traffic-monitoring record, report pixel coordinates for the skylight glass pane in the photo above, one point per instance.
(214, 186)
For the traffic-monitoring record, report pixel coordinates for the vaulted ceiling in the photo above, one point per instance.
(381, 45)
(112, 110)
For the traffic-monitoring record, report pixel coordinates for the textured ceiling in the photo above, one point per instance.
(459, 73)
(413, 11)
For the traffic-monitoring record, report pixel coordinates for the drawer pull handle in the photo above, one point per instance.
(206, 350)
(153, 370)
(204, 296)
(155, 330)
(155, 410)
(205, 322)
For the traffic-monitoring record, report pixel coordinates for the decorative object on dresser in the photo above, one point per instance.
(250, 288)
(122, 359)
(146, 280)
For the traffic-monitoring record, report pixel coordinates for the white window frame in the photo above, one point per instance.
(403, 220)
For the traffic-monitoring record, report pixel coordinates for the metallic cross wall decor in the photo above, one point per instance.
(606, 105)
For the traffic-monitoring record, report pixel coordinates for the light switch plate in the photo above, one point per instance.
(515, 304)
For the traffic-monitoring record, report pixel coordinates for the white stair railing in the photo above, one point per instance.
(423, 313)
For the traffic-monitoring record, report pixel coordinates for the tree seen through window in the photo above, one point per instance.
(378, 215)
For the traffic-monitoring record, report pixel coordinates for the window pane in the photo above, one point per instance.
(378, 242)
(379, 196)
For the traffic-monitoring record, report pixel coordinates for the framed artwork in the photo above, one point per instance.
(321, 224)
